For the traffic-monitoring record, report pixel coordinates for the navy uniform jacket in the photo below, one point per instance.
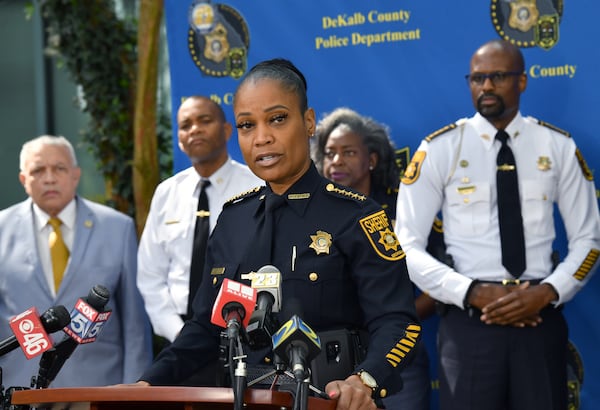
(349, 272)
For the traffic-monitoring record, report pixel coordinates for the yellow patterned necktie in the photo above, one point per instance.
(58, 251)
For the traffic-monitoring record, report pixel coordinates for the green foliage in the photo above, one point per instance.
(164, 133)
(99, 51)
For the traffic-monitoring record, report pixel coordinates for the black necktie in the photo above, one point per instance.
(201, 232)
(273, 203)
(509, 209)
(260, 253)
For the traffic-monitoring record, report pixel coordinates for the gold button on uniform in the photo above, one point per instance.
(313, 277)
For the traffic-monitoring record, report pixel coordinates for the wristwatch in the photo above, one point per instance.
(367, 380)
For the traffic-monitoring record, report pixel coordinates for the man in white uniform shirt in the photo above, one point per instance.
(502, 338)
(165, 249)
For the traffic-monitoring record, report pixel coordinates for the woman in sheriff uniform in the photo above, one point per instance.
(338, 255)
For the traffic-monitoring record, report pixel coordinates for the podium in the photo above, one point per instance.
(125, 397)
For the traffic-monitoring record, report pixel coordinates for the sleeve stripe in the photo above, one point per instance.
(404, 346)
(587, 265)
(397, 352)
(407, 343)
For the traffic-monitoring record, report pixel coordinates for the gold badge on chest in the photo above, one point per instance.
(321, 242)
(544, 163)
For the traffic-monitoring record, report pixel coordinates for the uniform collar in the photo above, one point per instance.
(516, 126)
(299, 195)
(66, 216)
(487, 131)
(218, 179)
(222, 175)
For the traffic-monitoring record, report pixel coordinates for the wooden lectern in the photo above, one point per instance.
(125, 397)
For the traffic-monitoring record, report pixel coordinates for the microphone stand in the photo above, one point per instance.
(6, 397)
(1, 391)
(277, 373)
(302, 385)
(240, 377)
(43, 378)
(303, 401)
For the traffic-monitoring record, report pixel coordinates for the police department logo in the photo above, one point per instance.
(528, 23)
(412, 172)
(218, 39)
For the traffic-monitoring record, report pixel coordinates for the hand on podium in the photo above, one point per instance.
(351, 394)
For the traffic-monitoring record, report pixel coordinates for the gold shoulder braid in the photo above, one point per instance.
(554, 128)
(439, 132)
(242, 195)
(349, 194)
(413, 170)
(587, 172)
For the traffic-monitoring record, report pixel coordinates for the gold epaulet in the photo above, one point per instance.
(554, 128)
(344, 192)
(439, 132)
(243, 195)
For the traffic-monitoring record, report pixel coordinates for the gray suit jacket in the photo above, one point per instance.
(104, 253)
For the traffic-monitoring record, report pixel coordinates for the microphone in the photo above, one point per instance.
(87, 319)
(262, 324)
(88, 316)
(298, 344)
(31, 330)
(230, 309)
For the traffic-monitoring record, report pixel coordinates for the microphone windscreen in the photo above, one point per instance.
(55, 318)
(98, 297)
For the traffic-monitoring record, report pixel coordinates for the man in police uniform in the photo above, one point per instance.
(502, 338)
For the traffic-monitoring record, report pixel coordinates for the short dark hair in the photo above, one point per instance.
(220, 110)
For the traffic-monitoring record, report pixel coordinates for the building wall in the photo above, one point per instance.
(36, 98)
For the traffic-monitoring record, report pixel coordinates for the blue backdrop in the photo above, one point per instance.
(403, 63)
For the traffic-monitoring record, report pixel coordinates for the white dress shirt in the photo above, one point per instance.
(458, 175)
(165, 248)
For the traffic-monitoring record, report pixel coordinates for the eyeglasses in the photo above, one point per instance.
(497, 78)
